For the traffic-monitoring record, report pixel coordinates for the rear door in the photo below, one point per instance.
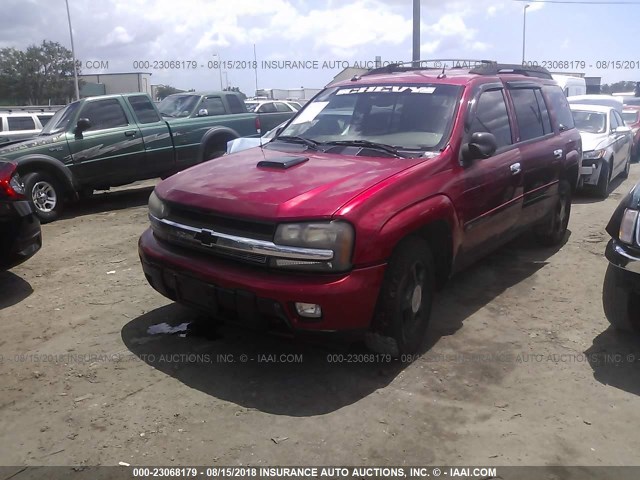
(541, 158)
(492, 198)
(159, 152)
(111, 152)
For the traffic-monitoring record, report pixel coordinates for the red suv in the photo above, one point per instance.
(367, 201)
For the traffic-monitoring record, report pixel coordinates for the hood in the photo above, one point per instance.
(594, 141)
(315, 186)
(15, 149)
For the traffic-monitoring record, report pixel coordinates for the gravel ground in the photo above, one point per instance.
(520, 367)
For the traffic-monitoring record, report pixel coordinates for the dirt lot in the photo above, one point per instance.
(519, 367)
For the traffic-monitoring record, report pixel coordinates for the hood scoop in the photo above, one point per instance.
(282, 163)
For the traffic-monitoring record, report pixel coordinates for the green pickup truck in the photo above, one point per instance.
(102, 142)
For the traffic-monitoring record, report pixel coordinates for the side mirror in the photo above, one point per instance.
(622, 129)
(203, 112)
(481, 145)
(83, 125)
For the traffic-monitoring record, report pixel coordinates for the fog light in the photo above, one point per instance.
(308, 310)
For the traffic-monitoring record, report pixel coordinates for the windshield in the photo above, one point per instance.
(178, 105)
(411, 117)
(630, 117)
(251, 106)
(60, 120)
(590, 122)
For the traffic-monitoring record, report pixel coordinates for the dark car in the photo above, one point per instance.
(372, 196)
(631, 117)
(20, 235)
(621, 291)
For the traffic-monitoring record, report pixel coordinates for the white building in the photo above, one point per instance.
(108, 83)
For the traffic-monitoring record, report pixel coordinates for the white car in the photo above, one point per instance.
(604, 100)
(21, 124)
(269, 106)
(606, 146)
(244, 143)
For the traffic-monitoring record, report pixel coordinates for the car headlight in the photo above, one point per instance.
(157, 207)
(593, 154)
(628, 226)
(336, 236)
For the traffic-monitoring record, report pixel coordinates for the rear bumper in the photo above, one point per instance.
(20, 233)
(257, 297)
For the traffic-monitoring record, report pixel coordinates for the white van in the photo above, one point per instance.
(571, 85)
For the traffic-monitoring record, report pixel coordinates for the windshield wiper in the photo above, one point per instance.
(295, 139)
(368, 144)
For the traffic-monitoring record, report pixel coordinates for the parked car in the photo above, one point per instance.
(272, 112)
(244, 143)
(374, 194)
(630, 98)
(631, 117)
(17, 125)
(20, 235)
(571, 85)
(102, 142)
(606, 143)
(621, 289)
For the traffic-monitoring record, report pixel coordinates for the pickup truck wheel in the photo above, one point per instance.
(404, 304)
(214, 150)
(554, 228)
(45, 195)
(602, 188)
(621, 306)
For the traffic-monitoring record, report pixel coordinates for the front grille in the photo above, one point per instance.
(232, 226)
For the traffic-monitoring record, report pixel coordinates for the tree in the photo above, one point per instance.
(235, 89)
(618, 87)
(166, 90)
(38, 75)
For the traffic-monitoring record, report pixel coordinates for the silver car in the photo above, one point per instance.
(21, 125)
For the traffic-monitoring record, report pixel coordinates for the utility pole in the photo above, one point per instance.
(255, 59)
(524, 29)
(73, 54)
(416, 33)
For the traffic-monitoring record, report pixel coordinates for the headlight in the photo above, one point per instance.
(157, 207)
(628, 226)
(336, 236)
(593, 154)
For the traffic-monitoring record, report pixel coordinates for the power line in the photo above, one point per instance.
(579, 2)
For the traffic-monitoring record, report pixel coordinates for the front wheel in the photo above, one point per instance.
(554, 228)
(404, 303)
(602, 188)
(627, 167)
(45, 195)
(621, 305)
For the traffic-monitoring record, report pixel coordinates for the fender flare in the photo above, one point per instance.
(211, 134)
(30, 163)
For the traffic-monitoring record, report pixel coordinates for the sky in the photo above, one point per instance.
(113, 36)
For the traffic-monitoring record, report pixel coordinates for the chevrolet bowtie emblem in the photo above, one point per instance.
(206, 238)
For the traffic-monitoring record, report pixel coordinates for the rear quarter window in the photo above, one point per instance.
(21, 123)
(560, 106)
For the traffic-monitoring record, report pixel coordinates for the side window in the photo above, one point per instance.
(235, 105)
(619, 119)
(527, 113)
(21, 123)
(104, 114)
(143, 108)
(267, 108)
(491, 116)
(544, 112)
(560, 106)
(213, 105)
(282, 107)
(613, 121)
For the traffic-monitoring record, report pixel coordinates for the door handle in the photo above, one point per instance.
(557, 153)
(130, 133)
(516, 168)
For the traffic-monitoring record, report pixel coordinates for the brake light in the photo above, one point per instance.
(10, 184)
(258, 124)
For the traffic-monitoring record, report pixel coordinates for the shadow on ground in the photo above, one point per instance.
(108, 201)
(615, 359)
(13, 289)
(259, 371)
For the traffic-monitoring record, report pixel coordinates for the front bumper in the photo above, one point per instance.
(590, 172)
(623, 256)
(259, 297)
(20, 234)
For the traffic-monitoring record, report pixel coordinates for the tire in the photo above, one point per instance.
(553, 230)
(621, 306)
(45, 195)
(404, 303)
(627, 167)
(214, 150)
(602, 188)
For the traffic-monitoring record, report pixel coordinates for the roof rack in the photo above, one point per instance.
(431, 64)
(496, 68)
(32, 109)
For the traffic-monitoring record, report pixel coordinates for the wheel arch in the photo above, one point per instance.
(43, 163)
(215, 136)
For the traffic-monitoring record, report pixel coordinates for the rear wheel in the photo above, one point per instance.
(45, 195)
(602, 188)
(214, 149)
(621, 305)
(554, 228)
(404, 304)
